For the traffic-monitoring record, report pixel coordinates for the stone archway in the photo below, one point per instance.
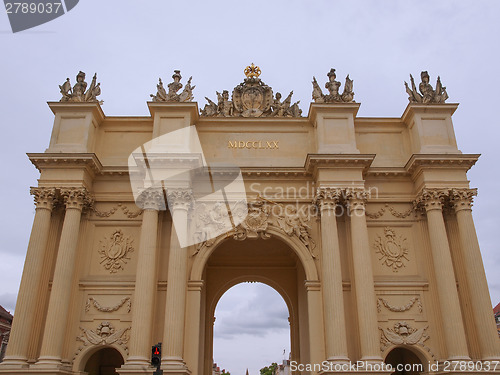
(273, 262)
(406, 361)
(104, 361)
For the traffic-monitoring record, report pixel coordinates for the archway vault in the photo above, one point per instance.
(302, 252)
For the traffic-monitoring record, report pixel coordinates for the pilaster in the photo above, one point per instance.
(333, 300)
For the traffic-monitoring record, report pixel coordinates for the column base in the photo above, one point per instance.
(14, 363)
(38, 371)
(174, 366)
(135, 367)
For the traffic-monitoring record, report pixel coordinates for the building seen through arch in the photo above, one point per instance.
(363, 226)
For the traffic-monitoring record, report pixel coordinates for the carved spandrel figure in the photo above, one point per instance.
(171, 96)
(79, 93)
(333, 88)
(427, 93)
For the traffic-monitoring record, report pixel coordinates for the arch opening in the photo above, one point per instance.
(104, 361)
(279, 268)
(251, 329)
(405, 362)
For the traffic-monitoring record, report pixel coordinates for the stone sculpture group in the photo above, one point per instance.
(252, 97)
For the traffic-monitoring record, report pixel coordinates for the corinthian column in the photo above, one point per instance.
(475, 276)
(22, 326)
(363, 278)
(180, 202)
(151, 201)
(333, 299)
(451, 316)
(75, 199)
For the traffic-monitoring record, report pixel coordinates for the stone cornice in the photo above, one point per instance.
(273, 173)
(331, 108)
(418, 162)
(175, 107)
(413, 108)
(315, 161)
(93, 107)
(87, 161)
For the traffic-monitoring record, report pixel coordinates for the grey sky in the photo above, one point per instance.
(132, 43)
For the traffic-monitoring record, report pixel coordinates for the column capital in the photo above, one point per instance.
(78, 198)
(462, 199)
(356, 198)
(327, 198)
(180, 199)
(431, 199)
(44, 197)
(151, 199)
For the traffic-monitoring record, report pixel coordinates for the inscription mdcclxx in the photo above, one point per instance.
(272, 145)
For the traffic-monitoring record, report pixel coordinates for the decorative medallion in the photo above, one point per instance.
(392, 249)
(114, 251)
(256, 222)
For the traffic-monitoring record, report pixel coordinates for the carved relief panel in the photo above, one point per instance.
(113, 249)
(393, 249)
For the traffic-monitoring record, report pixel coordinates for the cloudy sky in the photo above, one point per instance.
(132, 43)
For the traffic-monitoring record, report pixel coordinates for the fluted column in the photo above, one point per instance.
(475, 276)
(333, 298)
(369, 338)
(22, 327)
(75, 200)
(180, 202)
(151, 201)
(451, 316)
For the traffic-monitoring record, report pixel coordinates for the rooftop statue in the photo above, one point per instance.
(79, 92)
(171, 96)
(333, 88)
(251, 98)
(427, 93)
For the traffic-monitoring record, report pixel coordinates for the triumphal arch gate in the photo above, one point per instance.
(362, 225)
